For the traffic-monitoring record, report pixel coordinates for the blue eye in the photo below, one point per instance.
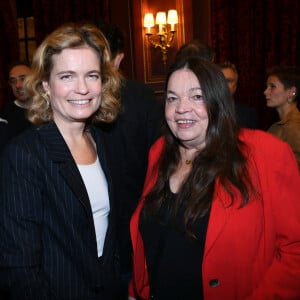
(94, 76)
(66, 77)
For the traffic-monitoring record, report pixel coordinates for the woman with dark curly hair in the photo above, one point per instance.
(219, 217)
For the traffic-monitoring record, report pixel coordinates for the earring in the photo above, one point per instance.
(289, 100)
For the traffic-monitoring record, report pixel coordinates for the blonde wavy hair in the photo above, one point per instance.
(70, 36)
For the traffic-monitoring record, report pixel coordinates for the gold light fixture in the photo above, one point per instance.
(165, 35)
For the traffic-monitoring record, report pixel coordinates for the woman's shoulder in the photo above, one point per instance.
(155, 151)
(26, 140)
(158, 145)
(259, 138)
(264, 146)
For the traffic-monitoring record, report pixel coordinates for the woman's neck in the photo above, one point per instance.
(285, 109)
(80, 142)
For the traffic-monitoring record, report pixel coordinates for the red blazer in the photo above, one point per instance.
(251, 252)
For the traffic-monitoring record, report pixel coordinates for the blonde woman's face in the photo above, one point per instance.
(75, 85)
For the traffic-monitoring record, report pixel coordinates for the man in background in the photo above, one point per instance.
(130, 139)
(196, 47)
(15, 112)
(246, 115)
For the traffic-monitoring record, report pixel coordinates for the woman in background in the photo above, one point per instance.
(57, 214)
(282, 93)
(219, 216)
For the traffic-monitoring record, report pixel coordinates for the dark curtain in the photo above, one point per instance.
(255, 35)
(9, 50)
(50, 14)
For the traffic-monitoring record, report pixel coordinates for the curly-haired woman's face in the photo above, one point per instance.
(75, 85)
(185, 109)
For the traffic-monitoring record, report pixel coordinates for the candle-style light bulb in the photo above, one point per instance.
(161, 20)
(172, 18)
(148, 22)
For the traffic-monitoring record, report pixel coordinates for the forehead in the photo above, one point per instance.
(74, 59)
(183, 80)
(274, 79)
(228, 72)
(19, 71)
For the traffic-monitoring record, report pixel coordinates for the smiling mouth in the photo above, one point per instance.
(79, 102)
(184, 121)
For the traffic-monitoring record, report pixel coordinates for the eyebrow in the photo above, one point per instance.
(190, 90)
(196, 88)
(74, 72)
(22, 75)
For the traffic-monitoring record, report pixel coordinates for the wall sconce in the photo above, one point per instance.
(165, 36)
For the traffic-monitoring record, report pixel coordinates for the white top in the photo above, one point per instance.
(96, 185)
(3, 120)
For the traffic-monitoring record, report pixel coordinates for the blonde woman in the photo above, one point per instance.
(57, 214)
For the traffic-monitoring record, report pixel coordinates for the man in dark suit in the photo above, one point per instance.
(246, 115)
(130, 139)
(15, 112)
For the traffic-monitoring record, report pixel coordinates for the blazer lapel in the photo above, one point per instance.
(105, 159)
(220, 212)
(62, 157)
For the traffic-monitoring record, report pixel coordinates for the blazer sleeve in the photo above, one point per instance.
(280, 182)
(21, 211)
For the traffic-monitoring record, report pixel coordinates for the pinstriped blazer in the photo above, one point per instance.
(48, 244)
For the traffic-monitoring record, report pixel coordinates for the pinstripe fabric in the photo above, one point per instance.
(47, 239)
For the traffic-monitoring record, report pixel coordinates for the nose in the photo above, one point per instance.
(183, 105)
(82, 86)
(266, 91)
(19, 83)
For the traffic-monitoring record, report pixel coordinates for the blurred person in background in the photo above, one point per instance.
(15, 112)
(246, 115)
(130, 138)
(282, 93)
